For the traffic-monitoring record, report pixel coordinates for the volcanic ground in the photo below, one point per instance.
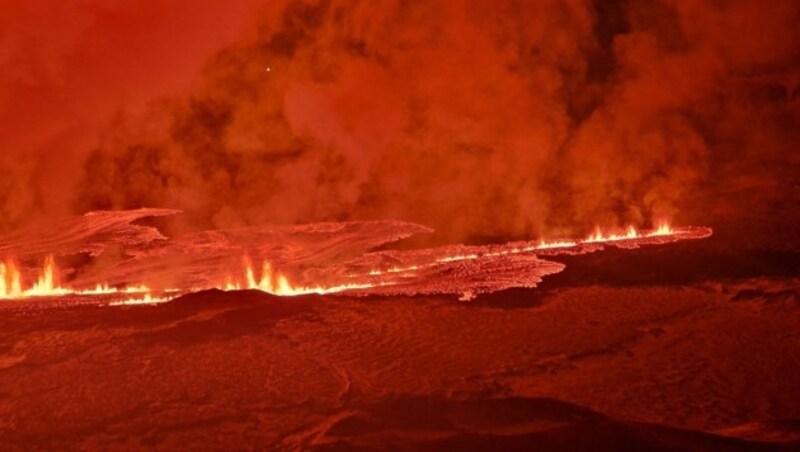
(688, 345)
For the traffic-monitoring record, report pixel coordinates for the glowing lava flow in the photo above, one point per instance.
(146, 299)
(596, 237)
(10, 281)
(410, 271)
(275, 283)
(630, 233)
(46, 285)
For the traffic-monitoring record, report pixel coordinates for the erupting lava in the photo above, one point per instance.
(467, 270)
(630, 233)
(598, 236)
(46, 285)
(275, 283)
(11, 285)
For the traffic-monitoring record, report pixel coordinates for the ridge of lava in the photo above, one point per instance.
(321, 258)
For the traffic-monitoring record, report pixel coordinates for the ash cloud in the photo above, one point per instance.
(504, 118)
(70, 65)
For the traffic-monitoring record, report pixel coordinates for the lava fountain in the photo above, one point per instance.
(325, 258)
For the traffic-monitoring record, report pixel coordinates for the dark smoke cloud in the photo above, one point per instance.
(476, 118)
(68, 65)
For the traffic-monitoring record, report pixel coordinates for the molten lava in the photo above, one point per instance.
(10, 285)
(47, 285)
(322, 259)
(630, 233)
(276, 283)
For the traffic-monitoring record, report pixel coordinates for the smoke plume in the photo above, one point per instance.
(510, 117)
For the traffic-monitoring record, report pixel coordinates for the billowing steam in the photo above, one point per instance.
(510, 118)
